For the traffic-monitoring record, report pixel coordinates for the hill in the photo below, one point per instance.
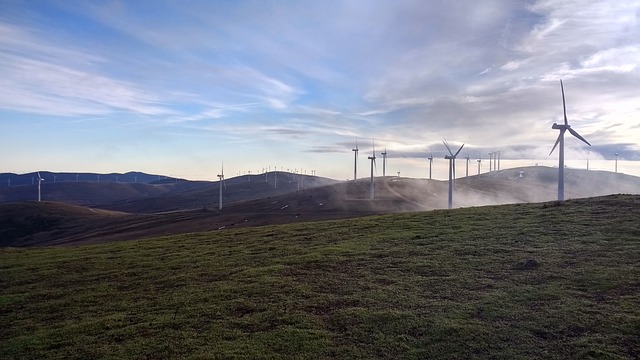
(514, 281)
(158, 195)
(194, 207)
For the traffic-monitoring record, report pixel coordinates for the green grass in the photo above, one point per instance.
(441, 284)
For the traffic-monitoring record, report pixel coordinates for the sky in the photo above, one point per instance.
(180, 87)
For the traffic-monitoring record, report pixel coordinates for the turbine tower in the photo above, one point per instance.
(616, 162)
(373, 164)
(355, 161)
(452, 164)
(563, 127)
(40, 180)
(467, 158)
(479, 161)
(384, 162)
(221, 181)
(430, 163)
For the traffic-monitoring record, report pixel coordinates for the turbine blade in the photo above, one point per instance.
(557, 141)
(564, 106)
(457, 152)
(575, 133)
(447, 145)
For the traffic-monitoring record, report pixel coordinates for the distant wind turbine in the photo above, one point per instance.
(355, 161)
(384, 162)
(220, 183)
(452, 164)
(467, 158)
(40, 180)
(479, 161)
(563, 127)
(373, 164)
(616, 162)
(430, 163)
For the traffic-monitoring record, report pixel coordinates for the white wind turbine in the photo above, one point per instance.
(467, 158)
(40, 180)
(479, 161)
(490, 161)
(452, 165)
(384, 162)
(355, 161)
(373, 164)
(430, 163)
(220, 183)
(563, 127)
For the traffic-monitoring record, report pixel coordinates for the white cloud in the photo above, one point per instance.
(45, 88)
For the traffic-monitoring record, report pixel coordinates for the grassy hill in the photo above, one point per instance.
(514, 281)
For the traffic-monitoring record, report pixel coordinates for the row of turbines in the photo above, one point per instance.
(494, 157)
(298, 175)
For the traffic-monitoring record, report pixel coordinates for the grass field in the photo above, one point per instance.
(514, 281)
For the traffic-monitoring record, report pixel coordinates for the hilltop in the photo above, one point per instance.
(512, 281)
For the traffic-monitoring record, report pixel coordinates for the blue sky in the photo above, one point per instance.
(177, 87)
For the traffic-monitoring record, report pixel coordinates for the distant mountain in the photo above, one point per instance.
(151, 193)
(11, 179)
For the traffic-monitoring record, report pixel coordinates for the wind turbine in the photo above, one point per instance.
(479, 161)
(563, 127)
(430, 163)
(40, 180)
(373, 163)
(452, 164)
(467, 158)
(221, 182)
(355, 161)
(616, 162)
(384, 162)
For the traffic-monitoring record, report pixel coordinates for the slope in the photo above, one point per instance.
(514, 281)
